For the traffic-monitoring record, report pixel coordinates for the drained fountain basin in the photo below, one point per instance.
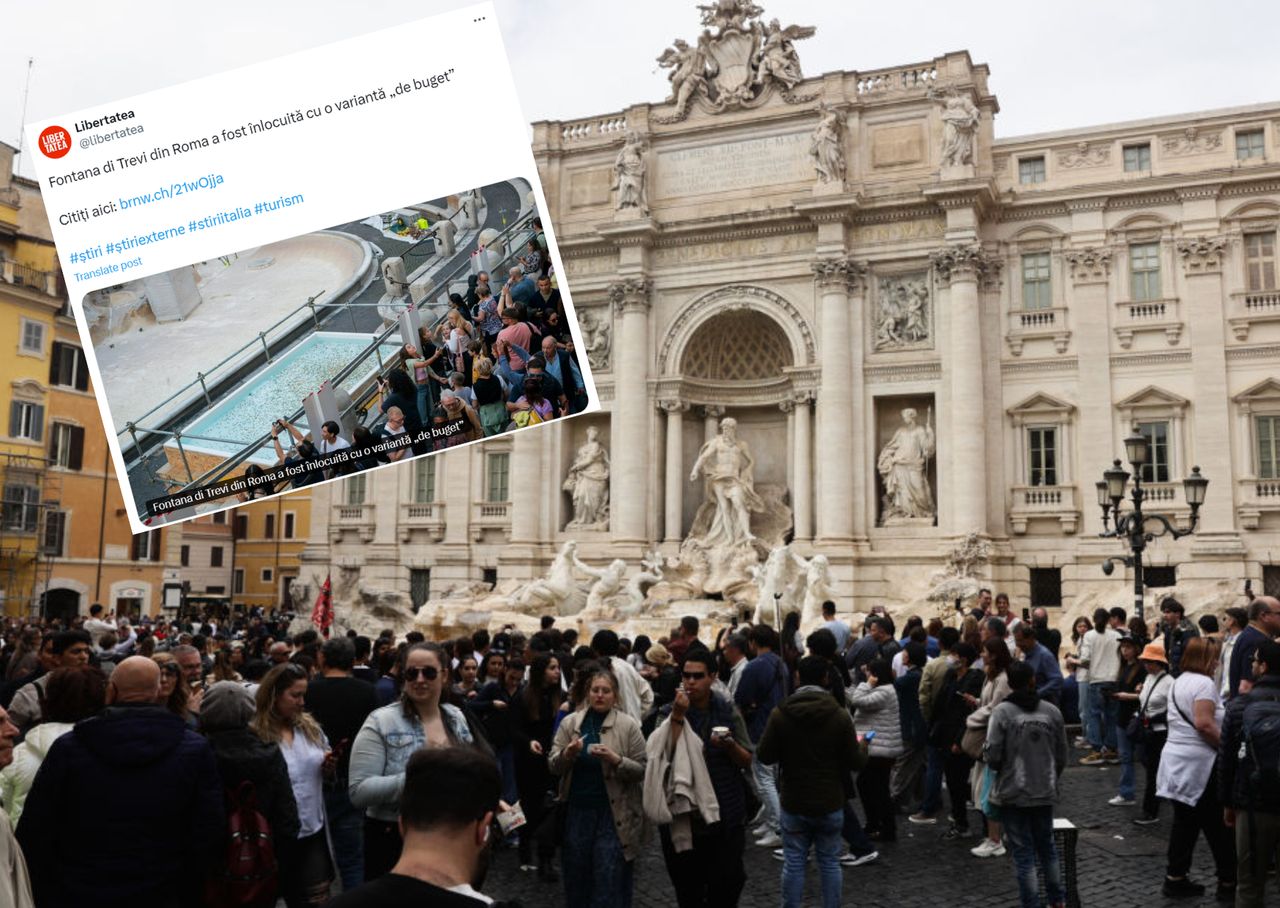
(277, 390)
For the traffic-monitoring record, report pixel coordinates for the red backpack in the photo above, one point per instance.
(249, 874)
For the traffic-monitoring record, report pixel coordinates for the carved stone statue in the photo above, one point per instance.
(608, 582)
(597, 336)
(777, 578)
(558, 591)
(777, 56)
(638, 586)
(688, 73)
(959, 127)
(588, 484)
(826, 145)
(902, 464)
(902, 314)
(727, 466)
(817, 590)
(629, 174)
(728, 13)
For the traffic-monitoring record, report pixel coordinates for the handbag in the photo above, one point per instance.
(972, 741)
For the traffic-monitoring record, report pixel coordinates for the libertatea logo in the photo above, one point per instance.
(55, 142)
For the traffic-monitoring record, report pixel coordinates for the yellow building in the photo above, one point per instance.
(270, 537)
(64, 540)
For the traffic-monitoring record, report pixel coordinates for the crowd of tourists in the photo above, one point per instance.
(198, 763)
(502, 357)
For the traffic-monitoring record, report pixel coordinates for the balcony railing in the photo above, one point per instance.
(357, 518)
(1025, 324)
(1252, 307)
(425, 516)
(490, 515)
(1136, 316)
(45, 282)
(1257, 497)
(1053, 502)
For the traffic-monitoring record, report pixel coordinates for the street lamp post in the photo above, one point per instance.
(1133, 526)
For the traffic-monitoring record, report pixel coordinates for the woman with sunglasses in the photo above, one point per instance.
(599, 754)
(306, 867)
(174, 694)
(387, 739)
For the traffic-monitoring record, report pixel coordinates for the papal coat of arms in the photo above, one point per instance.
(737, 64)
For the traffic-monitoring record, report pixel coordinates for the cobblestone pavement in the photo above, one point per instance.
(1119, 865)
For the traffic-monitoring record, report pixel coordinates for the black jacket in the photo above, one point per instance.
(125, 811)
(244, 757)
(1234, 772)
(950, 709)
(810, 738)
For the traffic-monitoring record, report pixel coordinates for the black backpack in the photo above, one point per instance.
(1260, 734)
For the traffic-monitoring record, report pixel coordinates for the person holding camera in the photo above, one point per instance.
(301, 452)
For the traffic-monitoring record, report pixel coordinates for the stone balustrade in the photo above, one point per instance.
(1037, 502)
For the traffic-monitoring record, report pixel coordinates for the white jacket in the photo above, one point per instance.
(16, 778)
(677, 785)
(635, 696)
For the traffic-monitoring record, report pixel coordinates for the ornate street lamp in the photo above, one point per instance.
(1134, 526)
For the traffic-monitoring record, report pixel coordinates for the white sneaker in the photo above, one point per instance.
(760, 816)
(849, 859)
(770, 840)
(987, 849)
(1122, 801)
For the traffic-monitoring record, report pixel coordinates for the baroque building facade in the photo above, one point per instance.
(813, 257)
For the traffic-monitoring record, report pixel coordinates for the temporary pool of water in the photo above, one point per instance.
(278, 391)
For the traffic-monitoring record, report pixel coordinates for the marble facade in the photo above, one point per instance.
(1004, 283)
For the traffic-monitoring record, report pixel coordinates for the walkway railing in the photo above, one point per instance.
(360, 402)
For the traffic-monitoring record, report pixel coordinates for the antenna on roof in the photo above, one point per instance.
(26, 94)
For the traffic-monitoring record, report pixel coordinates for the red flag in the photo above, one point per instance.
(322, 614)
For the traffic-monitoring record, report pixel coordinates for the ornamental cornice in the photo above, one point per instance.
(1033, 212)
(1203, 191)
(1089, 203)
(630, 294)
(694, 237)
(1090, 265)
(903, 372)
(1262, 351)
(1143, 199)
(1037, 366)
(672, 405)
(1141, 360)
(1251, 187)
(838, 271)
(891, 215)
(1201, 254)
(968, 261)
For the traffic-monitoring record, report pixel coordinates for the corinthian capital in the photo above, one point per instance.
(839, 271)
(630, 293)
(1089, 265)
(968, 261)
(1201, 254)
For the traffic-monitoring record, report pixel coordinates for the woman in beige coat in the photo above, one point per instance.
(598, 752)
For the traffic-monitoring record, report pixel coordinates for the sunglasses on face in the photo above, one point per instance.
(169, 668)
(693, 676)
(428, 673)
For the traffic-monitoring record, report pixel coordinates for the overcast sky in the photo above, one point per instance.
(1052, 67)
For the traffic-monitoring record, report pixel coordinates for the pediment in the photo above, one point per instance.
(1267, 390)
(1153, 398)
(1041, 404)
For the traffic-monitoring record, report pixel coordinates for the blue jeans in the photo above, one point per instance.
(346, 828)
(766, 778)
(932, 802)
(1103, 712)
(855, 834)
(1030, 833)
(1086, 712)
(426, 402)
(799, 834)
(1125, 746)
(596, 872)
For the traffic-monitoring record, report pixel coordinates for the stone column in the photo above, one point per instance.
(1089, 269)
(835, 277)
(673, 507)
(711, 417)
(454, 479)
(802, 457)
(526, 460)
(630, 425)
(961, 266)
(1211, 445)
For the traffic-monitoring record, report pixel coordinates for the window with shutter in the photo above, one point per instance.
(155, 545)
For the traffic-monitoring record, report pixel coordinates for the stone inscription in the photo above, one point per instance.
(894, 145)
(588, 187)
(594, 265)
(732, 250)
(899, 231)
(775, 160)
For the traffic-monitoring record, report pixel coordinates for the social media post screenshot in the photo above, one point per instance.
(278, 282)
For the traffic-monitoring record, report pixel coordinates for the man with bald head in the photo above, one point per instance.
(1264, 624)
(279, 653)
(89, 839)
